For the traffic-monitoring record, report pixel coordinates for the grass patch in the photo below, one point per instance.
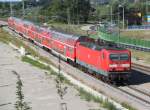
(46, 60)
(108, 105)
(44, 67)
(128, 106)
(72, 29)
(89, 97)
(20, 103)
(137, 34)
(139, 55)
(35, 63)
(4, 37)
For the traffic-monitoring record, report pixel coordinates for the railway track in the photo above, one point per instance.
(142, 68)
(127, 89)
(140, 91)
(139, 48)
(136, 93)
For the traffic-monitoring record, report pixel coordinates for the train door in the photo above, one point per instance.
(103, 60)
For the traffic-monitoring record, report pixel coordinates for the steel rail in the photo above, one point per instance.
(135, 96)
(138, 90)
(140, 67)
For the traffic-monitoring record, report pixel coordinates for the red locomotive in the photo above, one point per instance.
(109, 63)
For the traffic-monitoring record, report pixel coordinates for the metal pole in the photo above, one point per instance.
(68, 14)
(11, 11)
(118, 25)
(111, 13)
(123, 17)
(23, 11)
(146, 8)
(77, 13)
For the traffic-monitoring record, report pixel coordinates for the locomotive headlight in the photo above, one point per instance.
(112, 65)
(125, 65)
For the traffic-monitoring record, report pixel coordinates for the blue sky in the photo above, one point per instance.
(10, 0)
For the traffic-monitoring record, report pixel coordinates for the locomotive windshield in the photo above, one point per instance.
(119, 56)
(124, 56)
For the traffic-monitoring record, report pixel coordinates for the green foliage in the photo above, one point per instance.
(128, 106)
(35, 63)
(4, 37)
(61, 88)
(20, 103)
(103, 12)
(89, 97)
(108, 105)
(73, 11)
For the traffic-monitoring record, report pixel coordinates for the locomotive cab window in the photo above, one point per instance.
(114, 56)
(124, 56)
(119, 56)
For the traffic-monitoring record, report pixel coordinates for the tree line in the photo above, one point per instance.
(70, 11)
(81, 11)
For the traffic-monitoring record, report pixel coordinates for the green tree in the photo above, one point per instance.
(64, 10)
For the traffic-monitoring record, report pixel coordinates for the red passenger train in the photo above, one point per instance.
(109, 63)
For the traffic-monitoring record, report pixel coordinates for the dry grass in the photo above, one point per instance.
(72, 29)
(139, 34)
(145, 56)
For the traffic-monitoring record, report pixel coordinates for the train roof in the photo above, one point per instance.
(61, 36)
(94, 46)
(66, 38)
(28, 22)
(16, 19)
(22, 21)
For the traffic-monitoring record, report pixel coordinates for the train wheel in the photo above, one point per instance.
(103, 78)
(93, 74)
(98, 76)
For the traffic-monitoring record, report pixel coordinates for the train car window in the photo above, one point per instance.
(70, 50)
(33, 33)
(49, 41)
(26, 32)
(43, 39)
(124, 56)
(25, 25)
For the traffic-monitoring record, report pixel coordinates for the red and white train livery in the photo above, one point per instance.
(111, 63)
